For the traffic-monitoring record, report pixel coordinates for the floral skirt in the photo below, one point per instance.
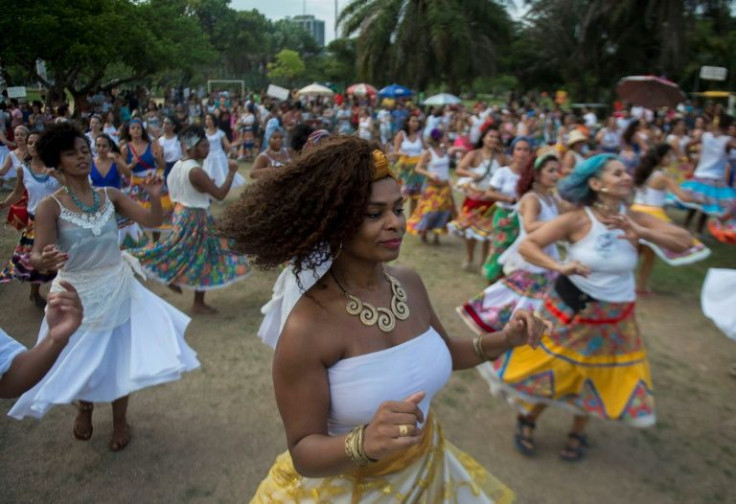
(593, 363)
(471, 214)
(505, 230)
(18, 213)
(19, 267)
(411, 182)
(139, 194)
(435, 209)
(492, 309)
(697, 252)
(192, 256)
(433, 471)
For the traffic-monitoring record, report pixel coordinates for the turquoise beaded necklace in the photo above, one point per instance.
(83, 206)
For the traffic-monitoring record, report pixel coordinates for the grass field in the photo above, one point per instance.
(212, 436)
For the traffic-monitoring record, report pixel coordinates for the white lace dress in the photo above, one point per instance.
(129, 338)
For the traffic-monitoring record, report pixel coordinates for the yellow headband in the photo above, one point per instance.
(381, 168)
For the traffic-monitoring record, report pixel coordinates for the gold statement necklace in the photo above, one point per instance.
(369, 315)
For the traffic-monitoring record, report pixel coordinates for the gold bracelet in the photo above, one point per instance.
(478, 345)
(354, 447)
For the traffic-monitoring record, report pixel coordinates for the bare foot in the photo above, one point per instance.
(120, 437)
(83, 423)
(202, 309)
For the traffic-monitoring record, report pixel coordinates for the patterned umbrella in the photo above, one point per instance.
(362, 90)
(649, 91)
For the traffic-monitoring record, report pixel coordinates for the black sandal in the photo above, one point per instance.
(87, 434)
(573, 450)
(524, 443)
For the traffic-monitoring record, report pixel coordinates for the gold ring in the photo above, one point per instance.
(403, 430)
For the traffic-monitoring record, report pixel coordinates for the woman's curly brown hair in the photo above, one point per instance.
(304, 211)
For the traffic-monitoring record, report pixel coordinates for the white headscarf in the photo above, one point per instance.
(286, 294)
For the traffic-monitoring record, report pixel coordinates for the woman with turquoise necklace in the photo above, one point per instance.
(38, 181)
(129, 338)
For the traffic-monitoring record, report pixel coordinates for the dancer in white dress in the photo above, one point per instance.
(216, 164)
(129, 338)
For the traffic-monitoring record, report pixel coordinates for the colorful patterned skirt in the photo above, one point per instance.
(139, 194)
(696, 253)
(492, 309)
(505, 229)
(435, 209)
(192, 256)
(471, 213)
(411, 182)
(19, 267)
(593, 363)
(433, 471)
(716, 195)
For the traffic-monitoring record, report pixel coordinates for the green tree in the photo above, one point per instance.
(421, 41)
(287, 67)
(97, 44)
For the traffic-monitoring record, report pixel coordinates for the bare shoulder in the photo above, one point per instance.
(309, 332)
(48, 206)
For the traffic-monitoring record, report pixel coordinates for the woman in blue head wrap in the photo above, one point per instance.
(593, 362)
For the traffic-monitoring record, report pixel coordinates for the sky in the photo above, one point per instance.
(279, 9)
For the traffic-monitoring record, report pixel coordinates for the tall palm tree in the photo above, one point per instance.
(421, 41)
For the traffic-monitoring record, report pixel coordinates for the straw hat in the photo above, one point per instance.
(575, 137)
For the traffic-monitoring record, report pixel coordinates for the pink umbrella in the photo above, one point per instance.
(649, 91)
(362, 90)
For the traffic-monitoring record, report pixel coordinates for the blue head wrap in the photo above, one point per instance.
(518, 139)
(574, 188)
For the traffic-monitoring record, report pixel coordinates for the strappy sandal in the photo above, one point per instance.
(574, 448)
(84, 408)
(524, 443)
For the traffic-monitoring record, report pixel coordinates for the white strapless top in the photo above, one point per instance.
(358, 385)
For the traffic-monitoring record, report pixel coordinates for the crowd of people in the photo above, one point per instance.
(569, 211)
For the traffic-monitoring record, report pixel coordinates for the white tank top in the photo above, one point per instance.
(38, 187)
(486, 168)
(439, 165)
(409, 148)
(181, 189)
(649, 196)
(547, 212)
(358, 385)
(611, 260)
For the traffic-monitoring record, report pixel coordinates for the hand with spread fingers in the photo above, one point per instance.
(526, 329)
(394, 427)
(64, 313)
(632, 230)
(52, 259)
(574, 268)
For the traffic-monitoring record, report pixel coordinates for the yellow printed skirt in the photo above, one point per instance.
(411, 181)
(435, 209)
(433, 471)
(593, 363)
(139, 195)
(697, 252)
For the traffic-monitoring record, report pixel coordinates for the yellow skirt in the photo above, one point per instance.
(140, 196)
(433, 471)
